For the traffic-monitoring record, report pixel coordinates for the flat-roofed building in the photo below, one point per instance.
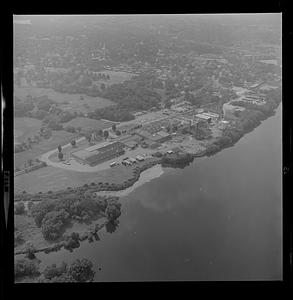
(158, 137)
(99, 153)
(212, 115)
(203, 117)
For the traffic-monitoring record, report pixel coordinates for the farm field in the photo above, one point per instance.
(58, 137)
(74, 102)
(25, 127)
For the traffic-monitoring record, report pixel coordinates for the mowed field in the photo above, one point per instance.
(74, 103)
(25, 127)
(51, 178)
(58, 138)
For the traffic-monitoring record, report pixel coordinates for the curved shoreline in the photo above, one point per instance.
(123, 185)
(124, 188)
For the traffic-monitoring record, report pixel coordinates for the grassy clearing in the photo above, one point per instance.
(74, 103)
(30, 232)
(58, 137)
(51, 178)
(25, 127)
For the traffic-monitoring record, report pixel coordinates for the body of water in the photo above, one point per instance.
(218, 219)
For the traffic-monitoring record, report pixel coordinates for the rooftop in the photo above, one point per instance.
(202, 116)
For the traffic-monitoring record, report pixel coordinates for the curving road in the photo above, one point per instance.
(74, 165)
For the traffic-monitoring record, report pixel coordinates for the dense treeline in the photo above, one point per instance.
(249, 119)
(80, 270)
(177, 160)
(52, 215)
(132, 95)
(112, 113)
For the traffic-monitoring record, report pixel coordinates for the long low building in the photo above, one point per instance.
(158, 137)
(203, 117)
(99, 153)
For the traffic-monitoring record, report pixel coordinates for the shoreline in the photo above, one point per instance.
(145, 176)
(141, 175)
(121, 187)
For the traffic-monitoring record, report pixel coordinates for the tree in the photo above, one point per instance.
(30, 205)
(41, 209)
(30, 249)
(19, 208)
(112, 226)
(71, 241)
(114, 127)
(103, 86)
(60, 156)
(59, 148)
(100, 132)
(52, 224)
(25, 267)
(113, 210)
(81, 270)
(118, 132)
(18, 238)
(29, 162)
(47, 133)
(168, 104)
(55, 125)
(73, 143)
(53, 271)
(81, 98)
(106, 134)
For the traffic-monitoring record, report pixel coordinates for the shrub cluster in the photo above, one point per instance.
(25, 267)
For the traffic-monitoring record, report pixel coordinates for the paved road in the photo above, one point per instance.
(74, 166)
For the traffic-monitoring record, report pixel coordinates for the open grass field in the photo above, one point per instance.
(86, 123)
(51, 178)
(58, 137)
(24, 128)
(74, 103)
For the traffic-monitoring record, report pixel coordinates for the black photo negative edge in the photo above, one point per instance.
(7, 272)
